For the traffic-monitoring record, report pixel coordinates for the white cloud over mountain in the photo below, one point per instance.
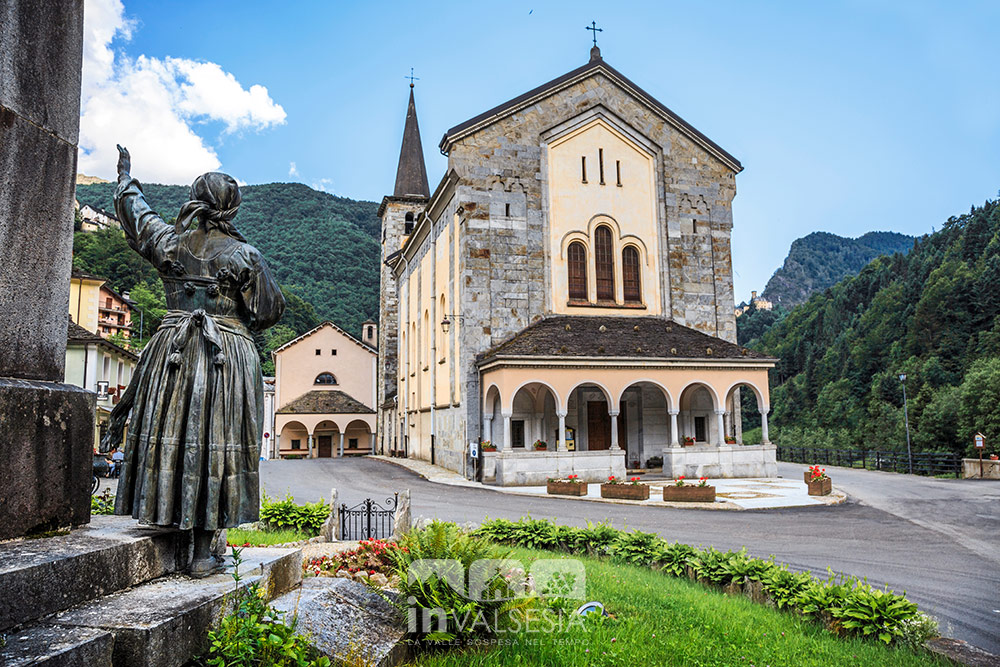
(151, 105)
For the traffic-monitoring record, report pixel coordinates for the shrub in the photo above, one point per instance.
(873, 613)
(636, 548)
(307, 518)
(674, 558)
(916, 630)
(785, 586)
(423, 592)
(255, 635)
(103, 504)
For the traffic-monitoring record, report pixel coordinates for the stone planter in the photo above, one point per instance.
(820, 487)
(625, 491)
(689, 494)
(559, 488)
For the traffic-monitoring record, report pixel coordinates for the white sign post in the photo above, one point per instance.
(980, 440)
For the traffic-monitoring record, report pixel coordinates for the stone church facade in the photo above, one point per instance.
(566, 293)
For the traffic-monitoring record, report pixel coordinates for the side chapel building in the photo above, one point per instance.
(565, 293)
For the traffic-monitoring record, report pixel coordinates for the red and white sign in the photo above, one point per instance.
(267, 435)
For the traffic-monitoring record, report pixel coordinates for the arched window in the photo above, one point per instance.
(630, 275)
(325, 378)
(604, 259)
(408, 224)
(577, 258)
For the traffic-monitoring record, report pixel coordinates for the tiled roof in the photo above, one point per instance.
(325, 402)
(78, 335)
(597, 336)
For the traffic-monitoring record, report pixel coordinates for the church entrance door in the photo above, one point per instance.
(598, 426)
(325, 446)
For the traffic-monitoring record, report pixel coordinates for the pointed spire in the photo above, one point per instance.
(411, 174)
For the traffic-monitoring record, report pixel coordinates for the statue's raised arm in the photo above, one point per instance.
(195, 402)
(145, 231)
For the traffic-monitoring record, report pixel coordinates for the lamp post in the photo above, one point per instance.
(906, 420)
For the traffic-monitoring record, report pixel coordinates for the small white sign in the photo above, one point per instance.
(980, 441)
(102, 390)
(474, 450)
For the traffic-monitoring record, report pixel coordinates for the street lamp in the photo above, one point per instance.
(445, 325)
(906, 420)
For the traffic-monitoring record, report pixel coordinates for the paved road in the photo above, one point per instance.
(939, 540)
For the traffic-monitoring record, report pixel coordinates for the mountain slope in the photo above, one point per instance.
(933, 314)
(821, 259)
(321, 247)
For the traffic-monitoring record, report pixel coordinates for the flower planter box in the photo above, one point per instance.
(689, 494)
(806, 476)
(625, 491)
(820, 487)
(566, 488)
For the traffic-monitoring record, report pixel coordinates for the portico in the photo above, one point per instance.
(632, 389)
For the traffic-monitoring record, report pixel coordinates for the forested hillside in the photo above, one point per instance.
(323, 248)
(933, 314)
(821, 259)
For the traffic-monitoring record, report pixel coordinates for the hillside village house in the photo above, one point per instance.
(324, 390)
(97, 364)
(566, 293)
(97, 307)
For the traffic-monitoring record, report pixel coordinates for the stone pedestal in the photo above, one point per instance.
(46, 427)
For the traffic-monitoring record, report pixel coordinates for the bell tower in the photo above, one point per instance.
(399, 212)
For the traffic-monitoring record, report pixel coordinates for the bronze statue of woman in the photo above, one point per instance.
(196, 397)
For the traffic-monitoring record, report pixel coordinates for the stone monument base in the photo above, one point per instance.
(107, 595)
(46, 466)
(720, 462)
(530, 468)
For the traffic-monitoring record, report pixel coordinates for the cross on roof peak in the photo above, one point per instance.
(594, 29)
(412, 78)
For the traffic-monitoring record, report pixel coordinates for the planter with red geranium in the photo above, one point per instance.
(679, 491)
(631, 490)
(817, 481)
(571, 486)
(487, 446)
(540, 446)
(688, 441)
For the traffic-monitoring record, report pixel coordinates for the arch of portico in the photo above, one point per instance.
(310, 428)
(663, 402)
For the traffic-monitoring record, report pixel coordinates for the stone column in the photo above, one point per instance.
(763, 426)
(674, 434)
(505, 445)
(561, 441)
(341, 444)
(720, 427)
(277, 446)
(48, 438)
(728, 424)
(614, 431)
(372, 438)
(488, 429)
(310, 445)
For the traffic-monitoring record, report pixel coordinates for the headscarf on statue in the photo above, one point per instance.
(215, 199)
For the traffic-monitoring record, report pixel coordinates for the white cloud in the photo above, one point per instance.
(151, 105)
(293, 171)
(323, 185)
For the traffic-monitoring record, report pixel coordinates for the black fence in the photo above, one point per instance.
(924, 463)
(368, 519)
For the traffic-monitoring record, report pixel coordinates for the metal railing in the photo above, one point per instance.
(368, 520)
(924, 463)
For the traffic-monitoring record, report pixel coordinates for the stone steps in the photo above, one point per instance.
(159, 622)
(41, 576)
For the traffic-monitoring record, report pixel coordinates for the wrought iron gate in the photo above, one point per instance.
(368, 519)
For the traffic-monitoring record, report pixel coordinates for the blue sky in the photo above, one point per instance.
(847, 116)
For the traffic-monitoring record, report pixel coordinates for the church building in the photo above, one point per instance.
(565, 293)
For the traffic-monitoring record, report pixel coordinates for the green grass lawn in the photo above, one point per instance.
(662, 620)
(264, 538)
